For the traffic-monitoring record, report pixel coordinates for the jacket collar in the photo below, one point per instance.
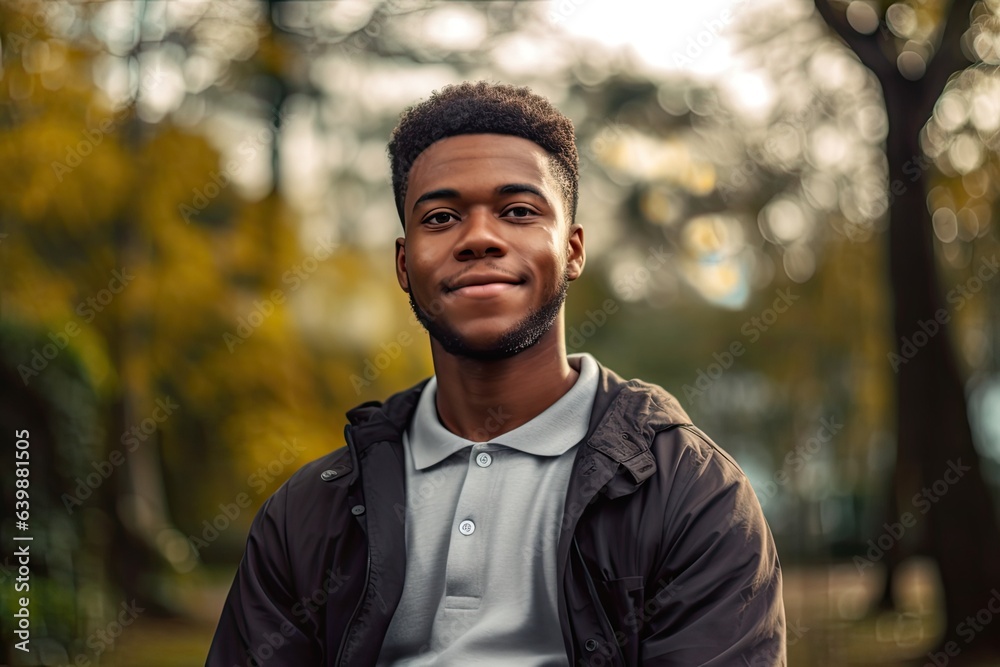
(636, 412)
(625, 419)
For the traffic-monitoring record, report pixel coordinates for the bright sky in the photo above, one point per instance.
(694, 38)
(689, 36)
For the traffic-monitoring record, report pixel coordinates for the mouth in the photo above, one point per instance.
(483, 291)
(482, 285)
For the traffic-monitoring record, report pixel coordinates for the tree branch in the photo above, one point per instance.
(949, 57)
(866, 47)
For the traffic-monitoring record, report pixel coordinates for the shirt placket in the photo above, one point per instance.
(471, 530)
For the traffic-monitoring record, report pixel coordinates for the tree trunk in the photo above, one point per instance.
(139, 502)
(953, 503)
(952, 508)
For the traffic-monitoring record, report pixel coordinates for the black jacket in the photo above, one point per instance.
(664, 557)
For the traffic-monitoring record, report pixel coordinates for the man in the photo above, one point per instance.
(521, 507)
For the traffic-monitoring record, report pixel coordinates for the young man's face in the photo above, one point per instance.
(489, 249)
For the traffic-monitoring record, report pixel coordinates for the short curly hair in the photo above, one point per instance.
(485, 108)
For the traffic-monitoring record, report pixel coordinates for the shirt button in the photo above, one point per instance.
(591, 644)
(466, 527)
(484, 460)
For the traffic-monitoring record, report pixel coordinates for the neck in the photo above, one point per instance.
(479, 400)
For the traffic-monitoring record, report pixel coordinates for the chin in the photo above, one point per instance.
(494, 345)
(481, 346)
(482, 334)
(492, 337)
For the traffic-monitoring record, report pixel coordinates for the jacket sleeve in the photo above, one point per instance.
(259, 624)
(717, 598)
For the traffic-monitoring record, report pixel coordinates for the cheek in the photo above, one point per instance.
(556, 254)
(424, 276)
(418, 261)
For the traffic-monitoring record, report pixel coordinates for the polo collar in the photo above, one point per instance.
(561, 426)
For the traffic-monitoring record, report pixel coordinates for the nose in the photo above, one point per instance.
(481, 236)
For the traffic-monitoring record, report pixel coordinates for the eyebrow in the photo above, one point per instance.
(510, 188)
(517, 188)
(444, 193)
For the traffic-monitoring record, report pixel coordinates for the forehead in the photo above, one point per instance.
(499, 157)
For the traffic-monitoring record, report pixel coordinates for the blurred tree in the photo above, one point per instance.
(190, 362)
(932, 418)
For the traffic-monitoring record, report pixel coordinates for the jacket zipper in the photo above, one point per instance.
(368, 568)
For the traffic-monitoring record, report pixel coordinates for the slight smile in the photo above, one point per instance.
(482, 285)
(483, 291)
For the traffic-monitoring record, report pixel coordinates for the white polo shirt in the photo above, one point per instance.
(482, 526)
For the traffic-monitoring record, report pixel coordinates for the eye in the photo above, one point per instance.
(439, 218)
(520, 212)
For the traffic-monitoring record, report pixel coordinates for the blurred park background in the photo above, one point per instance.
(792, 223)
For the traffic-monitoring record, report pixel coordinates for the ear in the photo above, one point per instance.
(401, 276)
(576, 256)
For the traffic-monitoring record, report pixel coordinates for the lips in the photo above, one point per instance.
(482, 284)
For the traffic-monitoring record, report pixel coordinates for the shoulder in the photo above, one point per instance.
(306, 499)
(657, 415)
(690, 465)
(320, 473)
(696, 459)
(704, 534)
(318, 489)
(702, 498)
